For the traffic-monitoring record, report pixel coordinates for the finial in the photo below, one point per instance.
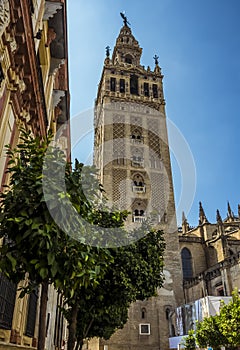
(185, 224)
(124, 17)
(219, 218)
(230, 213)
(202, 216)
(107, 51)
(156, 59)
(183, 217)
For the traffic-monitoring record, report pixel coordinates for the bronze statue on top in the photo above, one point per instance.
(124, 17)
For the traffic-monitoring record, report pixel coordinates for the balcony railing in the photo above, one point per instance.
(137, 162)
(139, 219)
(139, 189)
(136, 140)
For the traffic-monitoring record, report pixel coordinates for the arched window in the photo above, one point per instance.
(138, 180)
(143, 312)
(136, 136)
(186, 263)
(128, 59)
(139, 212)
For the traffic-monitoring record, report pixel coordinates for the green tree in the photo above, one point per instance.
(189, 342)
(34, 243)
(135, 273)
(208, 332)
(229, 325)
(222, 329)
(47, 240)
(30, 234)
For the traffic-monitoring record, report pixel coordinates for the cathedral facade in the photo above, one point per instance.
(131, 152)
(210, 254)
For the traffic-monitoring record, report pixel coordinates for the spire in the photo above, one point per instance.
(127, 49)
(219, 218)
(202, 217)
(221, 232)
(230, 213)
(183, 217)
(185, 224)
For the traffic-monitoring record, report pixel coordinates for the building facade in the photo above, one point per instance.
(131, 152)
(210, 255)
(34, 95)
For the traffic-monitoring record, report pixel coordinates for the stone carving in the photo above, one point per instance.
(13, 45)
(57, 96)
(51, 35)
(4, 14)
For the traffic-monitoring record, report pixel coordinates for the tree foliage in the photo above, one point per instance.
(222, 329)
(189, 342)
(33, 241)
(102, 282)
(135, 273)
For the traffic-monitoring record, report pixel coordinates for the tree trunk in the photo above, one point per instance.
(72, 327)
(42, 316)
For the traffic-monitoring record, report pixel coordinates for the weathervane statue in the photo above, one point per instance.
(124, 17)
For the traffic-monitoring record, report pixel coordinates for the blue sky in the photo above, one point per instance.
(198, 44)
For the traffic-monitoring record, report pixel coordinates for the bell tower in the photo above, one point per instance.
(131, 152)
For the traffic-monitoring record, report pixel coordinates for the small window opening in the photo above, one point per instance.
(146, 89)
(128, 59)
(134, 85)
(155, 90)
(143, 313)
(122, 85)
(113, 84)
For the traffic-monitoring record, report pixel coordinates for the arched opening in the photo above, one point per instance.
(137, 136)
(186, 263)
(143, 312)
(139, 214)
(128, 59)
(138, 184)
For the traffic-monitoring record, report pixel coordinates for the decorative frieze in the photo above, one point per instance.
(57, 96)
(55, 64)
(51, 9)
